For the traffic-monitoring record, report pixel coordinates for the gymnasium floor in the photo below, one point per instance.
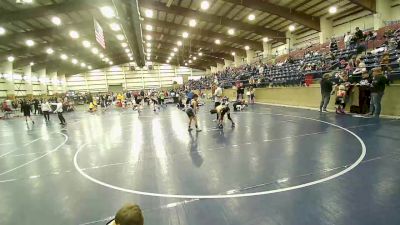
(278, 166)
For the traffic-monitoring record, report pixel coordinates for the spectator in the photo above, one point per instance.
(128, 215)
(347, 40)
(333, 45)
(361, 67)
(359, 35)
(326, 89)
(385, 62)
(378, 86)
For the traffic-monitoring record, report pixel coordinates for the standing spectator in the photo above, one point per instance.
(326, 89)
(378, 86)
(347, 40)
(36, 106)
(46, 110)
(359, 35)
(59, 111)
(26, 109)
(333, 45)
(385, 62)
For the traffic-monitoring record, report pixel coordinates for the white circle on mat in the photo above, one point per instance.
(222, 196)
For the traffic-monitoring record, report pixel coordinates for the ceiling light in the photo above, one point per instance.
(124, 45)
(111, 63)
(148, 50)
(89, 67)
(130, 55)
(86, 44)
(192, 23)
(185, 34)
(149, 27)
(148, 57)
(148, 37)
(107, 12)
(83, 65)
(194, 58)
(148, 13)
(74, 34)
(101, 56)
(27, 1)
(49, 51)
(179, 43)
(204, 5)
(131, 58)
(190, 61)
(10, 58)
(106, 59)
(2, 31)
(200, 53)
(32, 63)
(292, 27)
(186, 64)
(120, 37)
(251, 17)
(332, 9)
(175, 49)
(217, 41)
(115, 27)
(246, 47)
(95, 51)
(266, 39)
(231, 31)
(74, 61)
(233, 53)
(172, 54)
(29, 43)
(148, 44)
(127, 50)
(64, 57)
(56, 20)
(167, 61)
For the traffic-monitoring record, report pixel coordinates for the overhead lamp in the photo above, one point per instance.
(120, 37)
(332, 9)
(186, 64)
(169, 58)
(124, 45)
(2, 31)
(233, 53)
(179, 43)
(74, 61)
(148, 50)
(95, 51)
(217, 41)
(246, 47)
(148, 44)
(56, 20)
(106, 59)
(194, 58)
(29, 43)
(185, 34)
(31, 63)
(204, 5)
(111, 63)
(148, 13)
(149, 27)
(148, 37)
(89, 67)
(292, 27)
(192, 23)
(148, 57)
(115, 27)
(130, 55)
(74, 34)
(231, 31)
(172, 54)
(10, 58)
(167, 61)
(83, 64)
(27, 1)
(49, 51)
(200, 53)
(107, 11)
(251, 17)
(86, 44)
(175, 49)
(127, 50)
(64, 57)
(131, 58)
(265, 39)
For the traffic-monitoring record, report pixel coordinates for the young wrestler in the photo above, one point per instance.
(221, 110)
(191, 111)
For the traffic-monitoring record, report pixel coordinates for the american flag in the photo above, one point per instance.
(99, 34)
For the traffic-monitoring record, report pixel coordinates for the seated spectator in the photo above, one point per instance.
(333, 46)
(128, 215)
(385, 62)
(5, 107)
(361, 67)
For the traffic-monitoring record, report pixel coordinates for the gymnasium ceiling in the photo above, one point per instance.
(170, 18)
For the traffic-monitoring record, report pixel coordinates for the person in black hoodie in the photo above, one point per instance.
(326, 89)
(378, 86)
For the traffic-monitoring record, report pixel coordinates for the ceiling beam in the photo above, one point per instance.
(369, 5)
(224, 21)
(257, 45)
(281, 11)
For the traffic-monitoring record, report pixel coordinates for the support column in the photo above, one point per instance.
(267, 49)
(7, 71)
(43, 81)
(228, 63)
(28, 80)
(237, 60)
(249, 56)
(289, 42)
(326, 30)
(213, 69)
(53, 83)
(383, 13)
(208, 72)
(220, 67)
(61, 78)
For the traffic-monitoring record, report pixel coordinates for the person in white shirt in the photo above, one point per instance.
(347, 39)
(46, 110)
(59, 111)
(217, 97)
